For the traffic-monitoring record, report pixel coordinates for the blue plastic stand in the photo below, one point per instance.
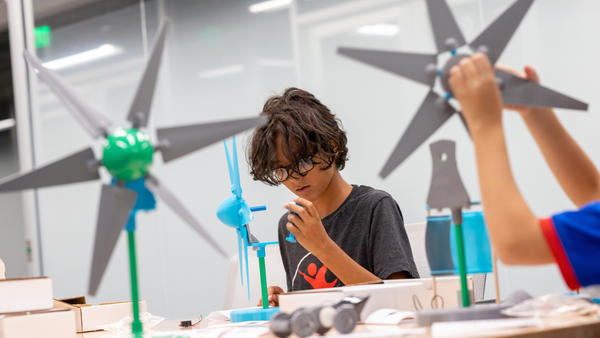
(247, 315)
(258, 313)
(291, 238)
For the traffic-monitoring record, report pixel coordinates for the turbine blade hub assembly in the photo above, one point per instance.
(128, 154)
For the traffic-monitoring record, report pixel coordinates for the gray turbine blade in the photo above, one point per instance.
(116, 204)
(78, 167)
(429, 118)
(90, 118)
(518, 91)
(165, 194)
(139, 113)
(409, 65)
(495, 38)
(179, 141)
(445, 29)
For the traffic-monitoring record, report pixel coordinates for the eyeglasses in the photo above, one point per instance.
(304, 166)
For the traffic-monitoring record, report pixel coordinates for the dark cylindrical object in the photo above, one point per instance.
(324, 315)
(304, 323)
(281, 325)
(345, 319)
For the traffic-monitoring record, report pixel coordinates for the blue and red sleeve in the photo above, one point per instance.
(574, 239)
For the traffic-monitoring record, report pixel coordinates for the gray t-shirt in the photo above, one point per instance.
(368, 226)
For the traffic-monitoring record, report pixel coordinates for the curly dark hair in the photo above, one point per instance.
(306, 127)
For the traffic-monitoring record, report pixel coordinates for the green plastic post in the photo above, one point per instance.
(136, 325)
(462, 265)
(263, 282)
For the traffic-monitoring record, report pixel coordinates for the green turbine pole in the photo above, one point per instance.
(136, 325)
(460, 250)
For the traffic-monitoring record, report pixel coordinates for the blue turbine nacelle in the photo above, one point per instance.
(234, 212)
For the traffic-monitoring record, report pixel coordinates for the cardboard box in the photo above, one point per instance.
(25, 294)
(54, 323)
(88, 317)
(404, 295)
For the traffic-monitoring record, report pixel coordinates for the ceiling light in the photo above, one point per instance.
(90, 55)
(7, 124)
(220, 72)
(383, 29)
(270, 5)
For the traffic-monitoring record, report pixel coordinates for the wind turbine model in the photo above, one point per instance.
(127, 156)
(435, 109)
(235, 212)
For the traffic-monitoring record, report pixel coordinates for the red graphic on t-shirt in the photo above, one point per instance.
(318, 282)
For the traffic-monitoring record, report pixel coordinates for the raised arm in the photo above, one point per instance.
(573, 169)
(514, 230)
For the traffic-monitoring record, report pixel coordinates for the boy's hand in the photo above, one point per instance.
(530, 74)
(307, 228)
(274, 292)
(474, 85)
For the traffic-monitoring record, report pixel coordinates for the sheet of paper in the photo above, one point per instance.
(219, 315)
(226, 332)
(224, 314)
(396, 332)
(193, 333)
(246, 332)
(390, 317)
(228, 324)
(478, 327)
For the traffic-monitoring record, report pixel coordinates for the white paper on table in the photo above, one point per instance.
(228, 324)
(245, 332)
(480, 327)
(396, 332)
(390, 317)
(202, 333)
(225, 314)
(226, 332)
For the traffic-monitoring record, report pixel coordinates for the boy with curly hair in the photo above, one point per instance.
(346, 234)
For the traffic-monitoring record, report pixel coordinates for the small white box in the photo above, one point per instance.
(54, 323)
(88, 317)
(25, 294)
(404, 295)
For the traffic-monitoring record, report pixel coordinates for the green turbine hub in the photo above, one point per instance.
(127, 154)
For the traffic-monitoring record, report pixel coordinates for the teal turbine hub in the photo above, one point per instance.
(127, 154)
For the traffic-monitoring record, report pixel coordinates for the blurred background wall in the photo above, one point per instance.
(223, 59)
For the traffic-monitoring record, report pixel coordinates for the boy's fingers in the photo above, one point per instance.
(510, 70)
(483, 59)
(296, 221)
(482, 63)
(456, 79)
(301, 211)
(456, 74)
(531, 74)
(469, 69)
(306, 204)
(293, 229)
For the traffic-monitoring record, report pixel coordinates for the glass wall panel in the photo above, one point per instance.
(221, 62)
